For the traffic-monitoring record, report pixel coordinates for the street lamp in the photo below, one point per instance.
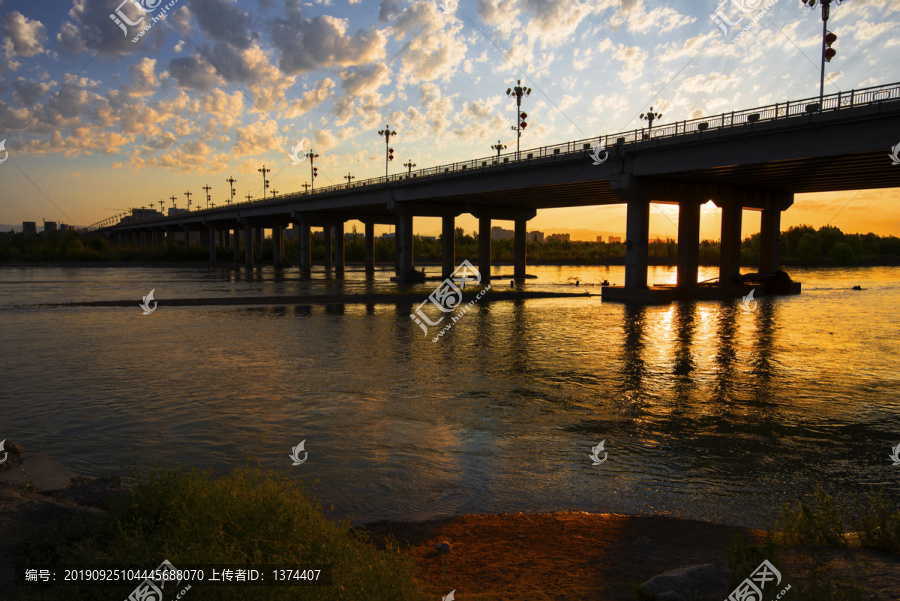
(313, 170)
(409, 165)
(828, 38)
(305, 187)
(173, 198)
(349, 177)
(518, 92)
(231, 181)
(207, 188)
(498, 147)
(389, 152)
(650, 118)
(249, 198)
(265, 181)
(274, 192)
(188, 194)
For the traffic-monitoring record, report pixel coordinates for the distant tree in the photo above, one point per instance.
(842, 254)
(809, 247)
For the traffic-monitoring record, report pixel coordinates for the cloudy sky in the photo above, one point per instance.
(98, 120)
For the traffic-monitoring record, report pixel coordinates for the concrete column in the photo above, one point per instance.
(405, 263)
(339, 247)
(305, 253)
(730, 245)
(212, 244)
(484, 248)
(205, 240)
(521, 249)
(448, 245)
(637, 232)
(257, 251)
(370, 247)
(248, 245)
(277, 234)
(769, 234)
(327, 235)
(688, 242)
(237, 244)
(187, 237)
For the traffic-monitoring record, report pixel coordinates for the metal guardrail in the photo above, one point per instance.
(773, 112)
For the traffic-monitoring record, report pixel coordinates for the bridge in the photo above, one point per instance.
(755, 159)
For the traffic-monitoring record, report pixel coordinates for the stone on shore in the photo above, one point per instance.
(681, 583)
(45, 472)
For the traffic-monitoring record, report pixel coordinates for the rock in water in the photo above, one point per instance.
(443, 548)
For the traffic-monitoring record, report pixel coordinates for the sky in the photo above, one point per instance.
(98, 119)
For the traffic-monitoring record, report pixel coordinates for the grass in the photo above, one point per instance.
(246, 517)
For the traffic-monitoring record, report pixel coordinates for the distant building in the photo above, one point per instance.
(29, 228)
(535, 236)
(63, 227)
(612, 239)
(174, 211)
(560, 237)
(498, 233)
(386, 235)
(429, 238)
(49, 226)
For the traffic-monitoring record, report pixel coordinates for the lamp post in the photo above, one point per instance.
(349, 177)
(274, 192)
(231, 181)
(188, 194)
(265, 181)
(518, 92)
(313, 170)
(410, 166)
(498, 147)
(650, 118)
(828, 38)
(207, 188)
(173, 198)
(305, 187)
(249, 198)
(388, 151)
(161, 203)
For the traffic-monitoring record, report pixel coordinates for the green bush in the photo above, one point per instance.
(880, 527)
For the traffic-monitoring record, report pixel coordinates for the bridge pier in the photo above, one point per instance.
(248, 245)
(730, 245)
(212, 244)
(277, 244)
(258, 244)
(326, 236)
(236, 243)
(339, 247)
(448, 245)
(688, 243)
(769, 233)
(187, 236)
(370, 247)
(637, 233)
(484, 248)
(404, 239)
(521, 249)
(303, 239)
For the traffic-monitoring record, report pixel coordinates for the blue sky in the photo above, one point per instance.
(96, 123)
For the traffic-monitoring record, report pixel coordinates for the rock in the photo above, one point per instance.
(45, 472)
(91, 492)
(680, 583)
(443, 548)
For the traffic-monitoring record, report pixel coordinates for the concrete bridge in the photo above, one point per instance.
(753, 159)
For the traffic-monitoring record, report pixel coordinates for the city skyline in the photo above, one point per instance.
(218, 89)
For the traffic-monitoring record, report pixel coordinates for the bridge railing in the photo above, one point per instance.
(773, 112)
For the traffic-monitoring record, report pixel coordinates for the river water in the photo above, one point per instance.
(707, 411)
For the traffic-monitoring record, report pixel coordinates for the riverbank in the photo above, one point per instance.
(504, 557)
